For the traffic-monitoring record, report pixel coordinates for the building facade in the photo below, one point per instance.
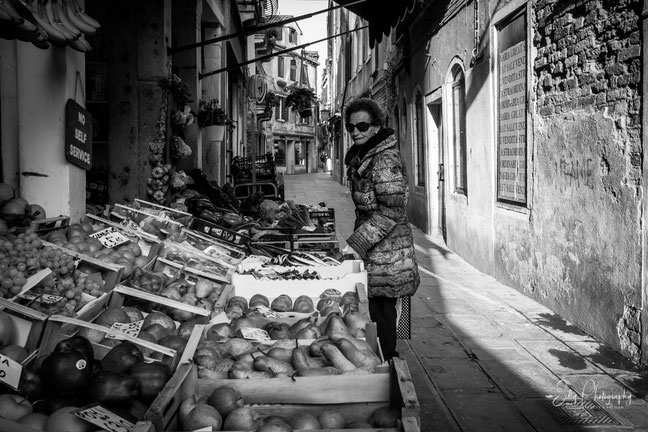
(523, 129)
(288, 135)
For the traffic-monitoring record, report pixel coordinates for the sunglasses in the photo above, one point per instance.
(362, 126)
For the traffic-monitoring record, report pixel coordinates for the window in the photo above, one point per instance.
(419, 138)
(279, 31)
(511, 107)
(292, 35)
(281, 70)
(281, 111)
(293, 70)
(458, 110)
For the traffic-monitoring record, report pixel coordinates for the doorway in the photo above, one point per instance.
(436, 200)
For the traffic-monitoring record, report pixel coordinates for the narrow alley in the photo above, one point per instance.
(485, 357)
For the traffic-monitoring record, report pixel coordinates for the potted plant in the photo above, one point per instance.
(301, 99)
(213, 119)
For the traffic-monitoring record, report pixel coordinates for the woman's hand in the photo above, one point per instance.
(348, 250)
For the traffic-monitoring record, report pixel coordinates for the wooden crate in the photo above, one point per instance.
(217, 269)
(172, 268)
(354, 396)
(30, 323)
(148, 243)
(224, 250)
(59, 328)
(122, 293)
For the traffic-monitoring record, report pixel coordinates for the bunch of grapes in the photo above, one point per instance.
(24, 256)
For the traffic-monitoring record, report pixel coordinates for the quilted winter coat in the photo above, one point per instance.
(382, 235)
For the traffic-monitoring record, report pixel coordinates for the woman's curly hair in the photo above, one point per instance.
(369, 106)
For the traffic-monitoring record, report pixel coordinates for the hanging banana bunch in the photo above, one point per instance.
(43, 22)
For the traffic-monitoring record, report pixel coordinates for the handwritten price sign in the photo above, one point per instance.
(128, 223)
(131, 329)
(110, 237)
(106, 420)
(42, 298)
(255, 334)
(10, 372)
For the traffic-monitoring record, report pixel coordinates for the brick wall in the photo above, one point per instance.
(588, 57)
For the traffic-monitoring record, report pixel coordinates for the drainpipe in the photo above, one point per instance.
(644, 205)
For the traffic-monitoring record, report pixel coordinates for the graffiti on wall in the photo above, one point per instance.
(576, 171)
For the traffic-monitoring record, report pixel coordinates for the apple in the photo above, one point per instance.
(14, 352)
(225, 399)
(13, 407)
(203, 416)
(242, 419)
(203, 288)
(304, 421)
(7, 329)
(331, 420)
(188, 404)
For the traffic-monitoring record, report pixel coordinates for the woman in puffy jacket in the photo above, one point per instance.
(382, 237)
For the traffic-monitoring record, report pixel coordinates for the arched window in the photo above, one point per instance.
(281, 70)
(458, 129)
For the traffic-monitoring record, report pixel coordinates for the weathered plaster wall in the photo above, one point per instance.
(580, 252)
(468, 218)
(139, 33)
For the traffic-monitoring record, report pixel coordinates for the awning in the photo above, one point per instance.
(382, 15)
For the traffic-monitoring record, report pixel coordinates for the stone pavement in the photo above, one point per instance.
(485, 357)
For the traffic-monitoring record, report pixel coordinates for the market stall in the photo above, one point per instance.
(143, 305)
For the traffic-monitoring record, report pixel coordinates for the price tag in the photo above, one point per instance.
(255, 334)
(267, 312)
(43, 299)
(10, 371)
(106, 420)
(110, 237)
(205, 429)
(128, 223)
(131, 329)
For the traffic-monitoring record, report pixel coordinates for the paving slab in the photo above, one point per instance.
(438, 344)
(526, 331)
(471, 326)
(499, 349)
(522, 379)
(463, 374)
(486, 412)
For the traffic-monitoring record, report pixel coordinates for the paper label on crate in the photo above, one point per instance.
(128, 223)
(131, 329)
(10, 371)
(110, 237)
(255, 334)
(42, 298)
(105, 419)
(267, 312)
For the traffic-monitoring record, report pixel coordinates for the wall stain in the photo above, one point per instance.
(568, 359)
(557, 322)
